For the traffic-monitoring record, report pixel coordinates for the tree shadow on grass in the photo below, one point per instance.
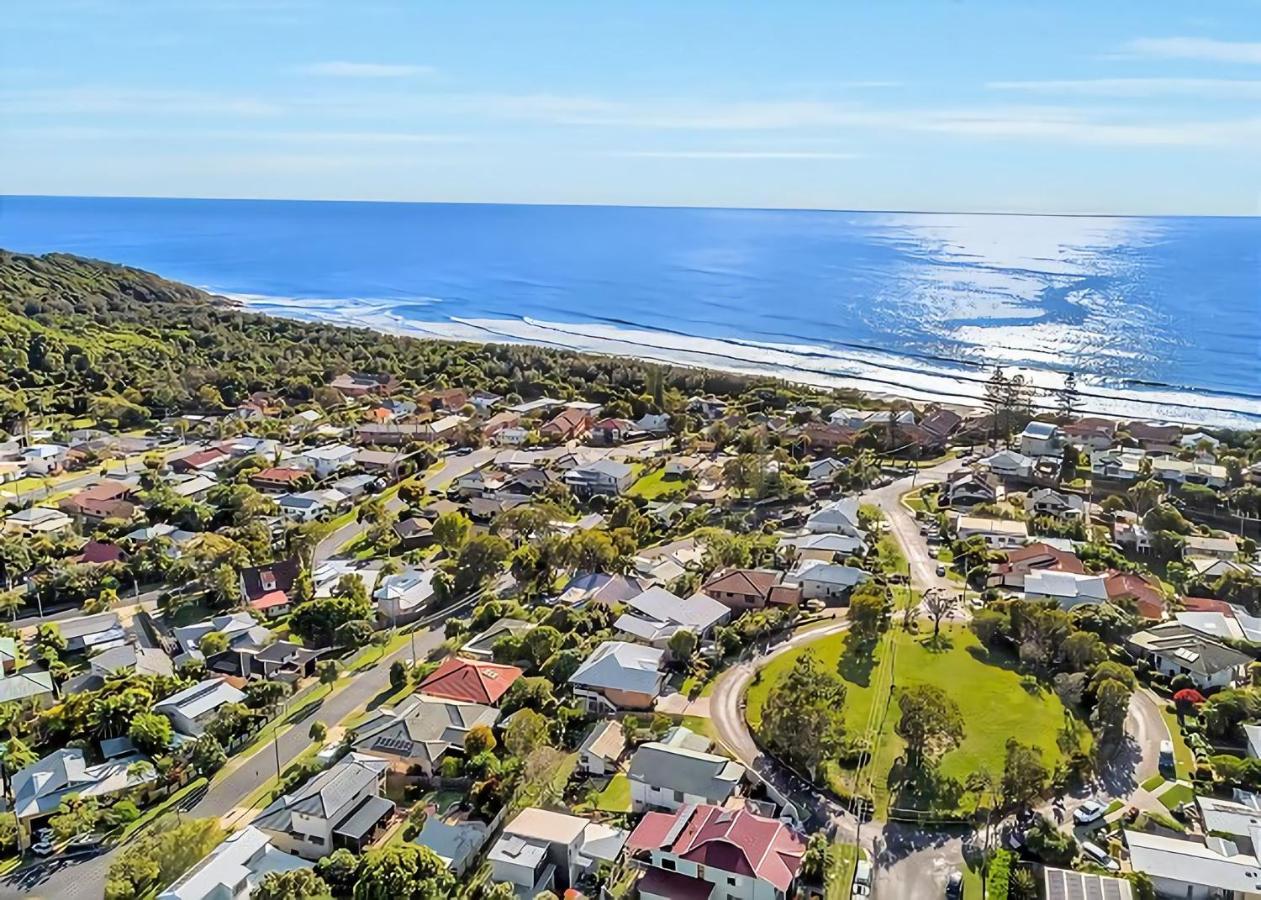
(924, 789)
(857, 660)
(941, 643)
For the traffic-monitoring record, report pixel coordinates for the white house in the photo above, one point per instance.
(1068, 589)
(406, 596)
(602, 748)
(1177, 649)
(606, 476)
(654, 616)
(37, 520)
(826, 581)
(1204, 869)
(308, 506)
(541, 850)
(233, 869)
(1050, 502)
(1008, 464)
(837, 517)
(39, 788)
(340, 807)
(666, 776)
(824, 469)
(1001, 534)
(825, 547)
(322, 462)
(43, 459)
(1042, 439)
(190, 709)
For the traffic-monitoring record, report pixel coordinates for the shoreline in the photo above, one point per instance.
(879, 375)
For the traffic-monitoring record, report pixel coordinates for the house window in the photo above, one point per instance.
(315, 839)
(678, 796)
(667, 864)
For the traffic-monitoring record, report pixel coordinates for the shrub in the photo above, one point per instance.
(999, 875)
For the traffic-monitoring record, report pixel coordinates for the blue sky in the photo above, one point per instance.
(1127, 107)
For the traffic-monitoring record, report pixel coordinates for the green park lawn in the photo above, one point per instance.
(990, 693)
(658, 486)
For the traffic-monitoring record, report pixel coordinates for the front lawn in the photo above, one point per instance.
(1176, 795)
(616, 796)
(658, 486)
(1183, 758)
(988, 688)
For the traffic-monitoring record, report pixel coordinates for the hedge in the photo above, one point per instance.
(999, 875)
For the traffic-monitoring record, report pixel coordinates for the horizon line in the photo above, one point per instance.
(680, 206)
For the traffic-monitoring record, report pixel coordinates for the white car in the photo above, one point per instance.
(43, 848)
(1099, 856)
(1090, 811)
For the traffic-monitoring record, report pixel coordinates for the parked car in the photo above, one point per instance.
(1099, 856)
(862, 879)
(941, 571)
(43, 848)
(1090, 811)
(88, 841)
(1166, 763)
(954, 886)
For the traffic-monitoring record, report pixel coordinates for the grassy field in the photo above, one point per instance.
(658, 486)
(989, 691)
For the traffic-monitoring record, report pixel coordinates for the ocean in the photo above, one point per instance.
(1159, 317)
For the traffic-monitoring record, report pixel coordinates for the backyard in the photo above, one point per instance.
(658, 485)
(994, 699)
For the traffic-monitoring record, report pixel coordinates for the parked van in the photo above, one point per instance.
(1166, 757)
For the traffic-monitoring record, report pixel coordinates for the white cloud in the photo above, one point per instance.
(1138, 87)
(343, 69)
(91, 100)
(733, 154)
(1207, 49)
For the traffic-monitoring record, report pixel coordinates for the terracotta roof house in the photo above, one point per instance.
(742, 588)
(449, 399)
(279, 479)
(568, 425)
(275, 576)
(1038, 557)
(1126, 588)
(823, 436)
(470, 681)
(358, 384)
(1154, 435)
(498, 422)
(1092, 431)
(97, 553)
(702, 851)
(611, 431)
(95, 495)
(200, 461)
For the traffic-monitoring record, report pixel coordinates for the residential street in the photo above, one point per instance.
(85, 880)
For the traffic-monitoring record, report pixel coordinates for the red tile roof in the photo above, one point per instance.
(97, 552)
(1040, 556)
(674, 885)
(743, 581)
(1206, 604)
(735, 841)
(279, 475)
(1148, 598)
(269, 600)
(472, 682)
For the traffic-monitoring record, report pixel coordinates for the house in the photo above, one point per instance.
(200, 461)
(28, 684)
(602, 748)
(406, 596)
(1154, 435)
(279, 661)
(340, 807)
(413, 533)
(125, 659)
(280, 479)
(742, 589)
(86, 634)
(257, 582)
(146, 533)
(94, 503)
(967, 488)
(311, 505)
(37, 520)
(1058, 505)
(655, 615)
(828, 437)
(190, 709)
(1226, 623)
(39, 788)
(1091, 432)
(619, 676)
(666, 776)
(568, 425)
(386, 463)
(469, 681)
(498, 422)
(541, 850)
(668, 562)
(707, 851)
(824, 469)
(1008, 465)
(826, 581)
(99, 553)
(1062, 884)
(324, 461)
(1143, 594)
(40, 460)
(605, 477)
(1042, 439)
(482, 646)
(193, 486)
(1068, 589)
(511, 436)
(1195, 869)
(1000, 534)
(1177, 649)
(8, 655)
(599, 587)
(360, 384)
(391, 433)
(352, 487)
(1211, 547)
(233, 869)
(837, 517)
(1235, 818)
(654, 423)
(1117, 464)
(485, 401)
(611, 431)
(240, 628)
(418, 734)
(683, 466)
(1175, 471)
(707, 407)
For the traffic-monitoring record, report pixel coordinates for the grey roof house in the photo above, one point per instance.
(190, 709)
(665, 777)
(421, 731)
(39, 788)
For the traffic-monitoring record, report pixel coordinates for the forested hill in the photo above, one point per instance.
(80, 336)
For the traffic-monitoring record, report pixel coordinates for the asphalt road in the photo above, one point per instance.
(439, 481)
(84, 878)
